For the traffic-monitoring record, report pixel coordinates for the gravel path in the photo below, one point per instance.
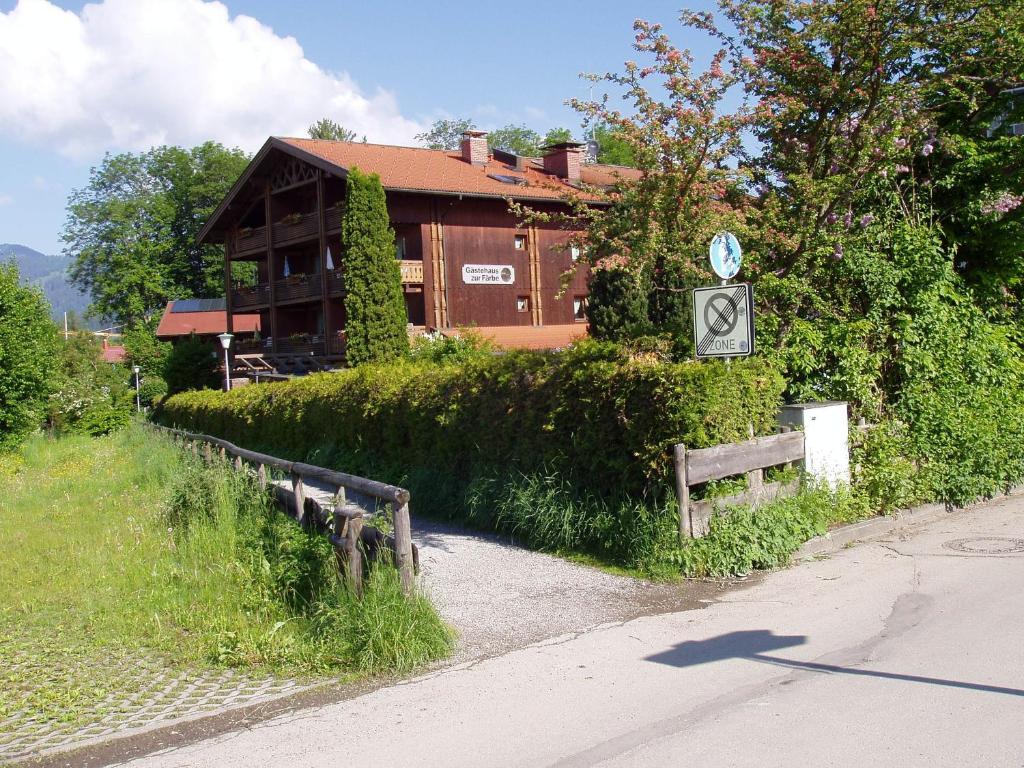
(500, 596)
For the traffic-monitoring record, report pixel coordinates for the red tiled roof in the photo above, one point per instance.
(431, 170)
(113, 354)
(533, 336)
(175, 324)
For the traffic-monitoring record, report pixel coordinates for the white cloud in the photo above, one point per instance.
(129, 74)
(6, 199)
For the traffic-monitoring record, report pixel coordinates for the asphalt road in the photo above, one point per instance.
(901, 652)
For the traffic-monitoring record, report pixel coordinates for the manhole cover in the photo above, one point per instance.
(987, 545)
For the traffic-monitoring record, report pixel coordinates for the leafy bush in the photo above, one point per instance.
(458, 347)
(151, 389)
(28, 346)
(93, 396)
(747, 539)
(191, 364)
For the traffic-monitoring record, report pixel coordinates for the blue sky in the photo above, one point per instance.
(78, 81)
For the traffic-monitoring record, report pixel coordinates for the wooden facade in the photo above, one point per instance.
(282, 222)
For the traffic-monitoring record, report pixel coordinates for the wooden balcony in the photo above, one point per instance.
(332, 218)
(302, 345)
(412, 272)
(251, 240)
(297, 287)
(296, 229)
(335, 282)
(336, 344)
(250, 296)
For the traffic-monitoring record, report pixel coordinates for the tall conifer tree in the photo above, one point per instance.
(374, 306)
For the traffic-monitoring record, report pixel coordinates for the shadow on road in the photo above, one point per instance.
(755, 644)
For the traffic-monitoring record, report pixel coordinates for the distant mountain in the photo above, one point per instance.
(50, 273)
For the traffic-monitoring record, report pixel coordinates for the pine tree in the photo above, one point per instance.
(375, 325)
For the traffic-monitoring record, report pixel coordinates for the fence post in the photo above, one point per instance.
(403, 547)
(782, 431)
(261, 476)
(238, 463)
(354, 555)
(755, 477)
(682, 493)
(207, 453)
(300, 497)
(223, 453)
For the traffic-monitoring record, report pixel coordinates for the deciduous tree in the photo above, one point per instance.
(133, 230)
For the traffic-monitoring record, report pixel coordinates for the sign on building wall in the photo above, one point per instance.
(488, 274)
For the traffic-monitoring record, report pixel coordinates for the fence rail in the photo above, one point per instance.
(347, 518)
(750, 457)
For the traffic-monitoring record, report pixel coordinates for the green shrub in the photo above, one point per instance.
(93, 397)
(151, 389)
(458, 347)
(28, 347)
(746, 539)
(191, 364)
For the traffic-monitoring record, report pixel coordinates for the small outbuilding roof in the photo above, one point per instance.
(203, 317)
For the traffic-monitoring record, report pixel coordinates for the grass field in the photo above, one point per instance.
(121, 549)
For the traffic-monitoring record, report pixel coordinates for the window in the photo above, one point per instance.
(520, 242)
(575, 252)
(579, 309)
(399, 247)
(522, 304)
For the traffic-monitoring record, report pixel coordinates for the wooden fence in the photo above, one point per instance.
(343, 521)
(751, 457)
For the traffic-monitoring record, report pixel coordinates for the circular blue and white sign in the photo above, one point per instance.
(726, 255)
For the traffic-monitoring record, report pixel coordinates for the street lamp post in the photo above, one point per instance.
(138, 401)
(225, 341)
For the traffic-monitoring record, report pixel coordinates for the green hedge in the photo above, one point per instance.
(590, 414)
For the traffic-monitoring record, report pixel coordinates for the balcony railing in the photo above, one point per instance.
(412, 272)
(301, 345)
(252, 346)
(251, 239)
(250, 296)
(335, 281)
(296, 228)
(297, 287)
(336, 344)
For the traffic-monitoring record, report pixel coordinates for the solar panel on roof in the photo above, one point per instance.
(199, 305)
(507, 179)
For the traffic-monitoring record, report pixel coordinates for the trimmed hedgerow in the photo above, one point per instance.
(603, 422)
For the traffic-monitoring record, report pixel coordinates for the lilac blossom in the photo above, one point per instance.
(866, 219)
(1002, 204)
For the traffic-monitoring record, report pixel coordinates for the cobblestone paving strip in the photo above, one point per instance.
(148, 695)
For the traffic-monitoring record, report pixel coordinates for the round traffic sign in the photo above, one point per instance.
(721, 314)
(726, 255)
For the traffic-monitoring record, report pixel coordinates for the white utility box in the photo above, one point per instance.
(826, 431)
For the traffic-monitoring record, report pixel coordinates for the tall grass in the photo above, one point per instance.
(123, 547)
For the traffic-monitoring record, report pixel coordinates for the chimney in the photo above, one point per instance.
(563, 160)
(474, 147)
